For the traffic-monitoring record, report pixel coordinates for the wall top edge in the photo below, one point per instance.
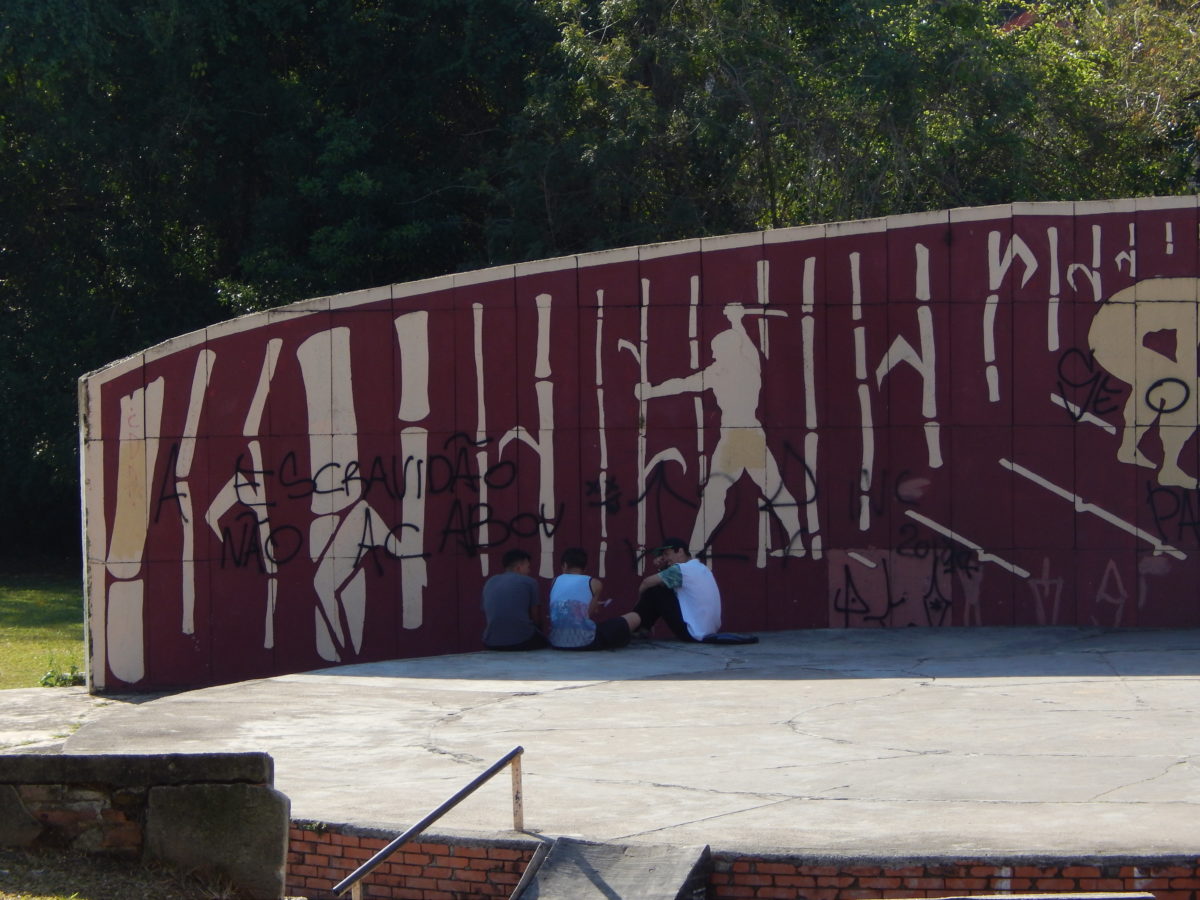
(918, 219)
(731, 241)
(545, 266)
(1044, 208)
(856, 226)
(981, 213)
(608, 257)
(175, 344)
(405, 289)
(669, 248)
(794, 233)
(114, 369)
(1100, 207)
(1188, 201)
(483, 276)
(360, 298)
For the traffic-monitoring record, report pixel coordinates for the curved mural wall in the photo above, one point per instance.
(973, 417)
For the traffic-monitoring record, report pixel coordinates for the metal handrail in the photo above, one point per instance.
(513, 757)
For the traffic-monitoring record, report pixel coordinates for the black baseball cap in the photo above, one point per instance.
(671, 544)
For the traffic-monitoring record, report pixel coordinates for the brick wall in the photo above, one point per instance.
(94, 818)
(454, 868)
(320, 856)
(777, 877)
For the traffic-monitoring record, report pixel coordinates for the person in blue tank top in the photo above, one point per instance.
(574, 601)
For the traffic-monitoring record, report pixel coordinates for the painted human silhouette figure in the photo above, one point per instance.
(735, 378)
(1145, 335)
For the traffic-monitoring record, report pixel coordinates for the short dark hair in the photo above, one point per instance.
(514, 556)
(671, 544)
(575, 558)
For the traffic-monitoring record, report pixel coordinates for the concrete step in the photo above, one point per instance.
(578, 870)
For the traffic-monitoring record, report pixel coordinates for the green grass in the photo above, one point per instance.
(41, 621)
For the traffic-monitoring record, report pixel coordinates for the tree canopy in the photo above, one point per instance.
(165, 164)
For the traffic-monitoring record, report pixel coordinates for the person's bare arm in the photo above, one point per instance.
(594, 606)
(650, 581)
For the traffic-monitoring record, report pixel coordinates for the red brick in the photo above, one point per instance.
(862, 871)
(453, 862)
(316, 859)
(1177, 883)
(343, 840)
(879, 882)
(768, 868)
(471, 852)
(1055, 884)
(906, 872)
(435, 849)
(504, 853)
(751, 878)
(947, 871)
(471, 875)
(414, 859)
(822, 894)
(1171, 871)
(742, 865)
(776, 893)
(820, 870)
(966, 884)
(1035, 871)
(1080, 872)
(841, 881)
(358, 854)
(793, 880)
(734, 890)
(301, 871)
(921, 884)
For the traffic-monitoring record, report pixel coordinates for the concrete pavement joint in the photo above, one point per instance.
(1174, 765)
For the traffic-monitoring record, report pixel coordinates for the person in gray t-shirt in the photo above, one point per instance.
(510, 602)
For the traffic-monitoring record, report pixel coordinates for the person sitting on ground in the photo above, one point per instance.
(574, 602)
(511, 600)
(683, 593)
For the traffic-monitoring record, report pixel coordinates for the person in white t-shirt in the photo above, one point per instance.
(683, 593)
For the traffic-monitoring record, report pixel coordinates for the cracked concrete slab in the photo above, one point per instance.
(908, 742)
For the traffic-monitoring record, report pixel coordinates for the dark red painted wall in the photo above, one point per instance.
(976, 417)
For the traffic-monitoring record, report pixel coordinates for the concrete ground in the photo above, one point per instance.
(1054, 741)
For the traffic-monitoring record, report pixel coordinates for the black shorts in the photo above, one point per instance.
(610, 634)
